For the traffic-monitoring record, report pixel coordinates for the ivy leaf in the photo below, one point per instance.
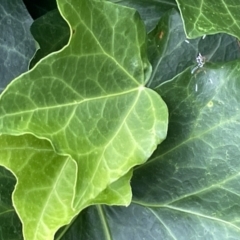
(168, 49)
(209, 17)
(39, 8)
(44, 194)
(89, 99)
(195, 185)
(10, 225)
(150, 10)
(190, 187)
(170, 52)
(51, 32)
(16, 43)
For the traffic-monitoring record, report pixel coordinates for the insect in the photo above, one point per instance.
(200, 63)
(201, 60)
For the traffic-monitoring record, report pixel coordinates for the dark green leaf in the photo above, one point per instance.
(38, 8)
(150, 10)
(16, 43)
(51, 32)
(170, 52)
(209, 17)
(10, 225)
(90, 224)
(189, 189)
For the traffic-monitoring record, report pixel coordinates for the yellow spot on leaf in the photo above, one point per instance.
(210, 104)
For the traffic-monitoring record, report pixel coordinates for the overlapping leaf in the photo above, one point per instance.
(170, 52)
(51, 32)
(189, 189)
(10, 225)
(16, 43)
(40, 8)
(150, 10)
(192, 180)
(90, 224)
(89, 100)
(53, 25)
(45, 191)
(209, 17)
(168, 49)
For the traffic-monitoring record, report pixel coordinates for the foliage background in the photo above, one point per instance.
(189, 188)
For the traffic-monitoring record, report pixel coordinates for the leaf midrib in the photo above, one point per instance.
(75, 103)
(101, 47)
(185, 211)
(106, 146)
(53, 188)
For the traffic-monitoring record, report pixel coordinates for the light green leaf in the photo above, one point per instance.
(46, 31)
(16, 43)
(89, 99)
(117, 193)
(45, 190)
(210, 17)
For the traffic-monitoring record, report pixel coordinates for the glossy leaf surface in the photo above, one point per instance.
(171, 52)
(194, 175)
(189, 188)
(150, 10)
(210, 17)
(17, 45)
(89, 100)
(44, 194)
(51, 32)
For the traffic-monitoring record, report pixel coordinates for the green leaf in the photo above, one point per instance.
(168, 49)
(195, 185)
(45, 189)
(143, 220)
(117, 193)
(219, 48)
(190, 187)
(10, 225)
(210, 17)
(170, 52)
(92, 223)
(51, 32)
(44, 194)
(16, 42)
(150, 10)
(89, 100)
(38, 8)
